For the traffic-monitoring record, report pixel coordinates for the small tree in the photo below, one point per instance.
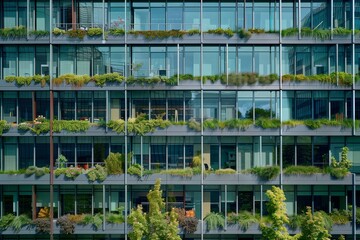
(276, 207)
(344, 161)
(313, 227)
(157, 224)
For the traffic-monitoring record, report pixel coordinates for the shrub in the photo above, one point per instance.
(266, 173)
(244, 33)
(194, 125)
(244, 219)
(58, 31)
(76, 33)
(42, 225)
(37, 171)
(71, 125)
(196, 161)
(187, 172)
(98, 173)
(4, 126)
(115, 163)
(72, 172)
(92, 32)
(268, 123)
(225, 171)
(61, 161)
(135, 169)
(214, 221)
(116, 217)
(340, 217)
(100, 80)
(6, 220)
(188, 224)
(14, 32)
(116, 32)
(117, 125)
(66, 225)
(308, 170)
(96, 221)
(219, 31)
(193, 32)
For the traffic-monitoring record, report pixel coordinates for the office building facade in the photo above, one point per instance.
(243, 84)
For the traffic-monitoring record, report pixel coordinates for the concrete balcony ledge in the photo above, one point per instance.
(166, 179)
(315, 179)
(32, 39)
(302, 130)
(249, 131)
(91, 86)
(64, 39)
(238, 179)
(186, 39)
(12, 86)
(270, 38)
(218, 85)
(340, 39)
(22, 179)
(313, 85)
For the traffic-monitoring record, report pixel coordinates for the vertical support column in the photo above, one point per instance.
(354, 205)
(332, 18)
(27, 18)
(225, 210)
(51, 143)
(261, 200)
(103, 205)
(103, 21)
(299, 18)
(178, 63)
(73, 14)
(227, 64)
(126, 122)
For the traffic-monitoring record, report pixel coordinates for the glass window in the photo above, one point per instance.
(192, 15)
(191, 61)
(228, 15)
(210, 16)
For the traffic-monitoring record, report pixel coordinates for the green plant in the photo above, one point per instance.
(117, 217)
(268, 123)
(4, 126)
(295, 221)
(193, 32)
(37, 171)
(15, 32)
(307, 170)
(5, 221)
(72, 172)
(21, 81)
(313, 226)
(115, 163)
(156, 224)
(339, 169)
(98, 173)
(66, 225)
(135, 169)
(214, 221)
(76, 33)
(225, 171)
(100, 80)
(244, 219)
(42, 225)
(196, 160)
(187, 172)
(188, 224)
(219, 31)
(160, 34)
(92, 32)
(243, 33)
(58, 31)
(194, 125)
(116, 32)
(96, 221)
(340, 217)
(20, 221)
(266, 173)
(71, 125)
(61, 161)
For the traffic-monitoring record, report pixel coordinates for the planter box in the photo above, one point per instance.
(313, 85)
(12, 86)
(218, 85)
(91, 86)
(315, 179)
(250, 131)
(21, 179)
(237, 179)
(140, 39)
(174, 130)
(166, 179)
(26, 230)
(302, 130)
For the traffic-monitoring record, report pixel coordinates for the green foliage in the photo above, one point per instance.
(101, 79)
(21, 80)
(194, 125)
(295, 222)
(225, 171)
(72, 79)
(159, 34)
(289, 32)
(152, 80)
(4, 126)
(244, 219)
(117, 217)
(58, 32)
(240, 79)
(20, 221)
(117, 125)
(313, 227)
(116, 32)
(5, 221)
(42, 225)
(66, 225)
(214, 221)
(37, 171)
(243, 33)
(135, 169)
(96, 221)
(15, 32)
(71, 125)
(340, 217)
(71, 172)
(94, 32)
(341, 78)
(196, 160)
(39, 33)
(266, 173)
(156, 224)
(187, 172)
(76, 33)
(13, 172)
(219, 31)
(98, 173)
(337, 173)
(339, 169)
(115, 163)
(307, 170)
(315, 124)
(277, 217)
(61, 161)
(193, 32)
(266, 123)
